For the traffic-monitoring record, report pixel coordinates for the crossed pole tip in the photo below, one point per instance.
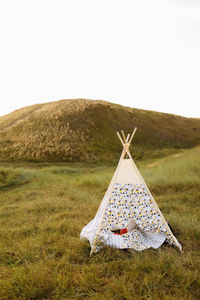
(126, 141)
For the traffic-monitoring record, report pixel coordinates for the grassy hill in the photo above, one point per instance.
(84, 130)
(43, 209)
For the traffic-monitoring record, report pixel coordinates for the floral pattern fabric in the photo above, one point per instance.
(129, 204)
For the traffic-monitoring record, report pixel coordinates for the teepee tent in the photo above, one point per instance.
(128, 216)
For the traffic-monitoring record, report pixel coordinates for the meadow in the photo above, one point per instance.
(43, 208)
(85, 131)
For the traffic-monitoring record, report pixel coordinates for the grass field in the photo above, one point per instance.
(85, 131)
(44, 207)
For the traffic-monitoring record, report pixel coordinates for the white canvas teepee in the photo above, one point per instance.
(128, 216)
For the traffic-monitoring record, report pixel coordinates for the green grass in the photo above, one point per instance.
(11, 178)
(43, 212)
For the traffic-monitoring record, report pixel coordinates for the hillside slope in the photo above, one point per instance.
(84, 130)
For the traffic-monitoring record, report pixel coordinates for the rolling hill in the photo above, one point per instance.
(84, 130)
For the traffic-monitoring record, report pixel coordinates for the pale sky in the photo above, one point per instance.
(143, 54)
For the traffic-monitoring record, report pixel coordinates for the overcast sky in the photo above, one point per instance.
(143, 54)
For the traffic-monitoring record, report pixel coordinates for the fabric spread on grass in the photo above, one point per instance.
(128, 207)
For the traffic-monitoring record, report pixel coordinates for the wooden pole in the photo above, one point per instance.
(127, 137)
(123, 135)
(119, 136)
(126, 143)
(134, 131)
